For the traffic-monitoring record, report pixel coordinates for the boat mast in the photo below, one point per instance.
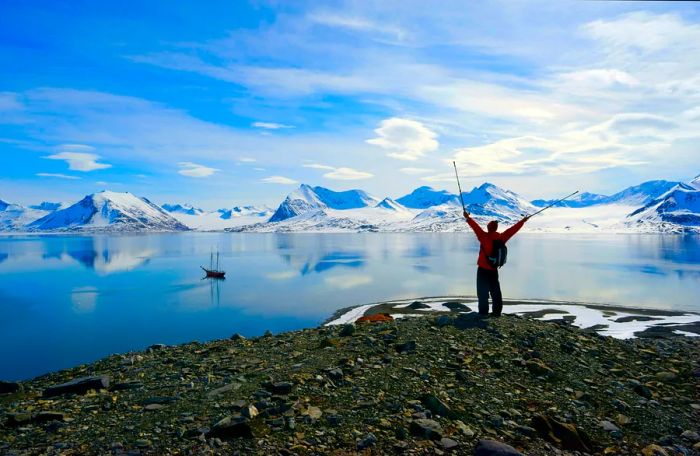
(217, 260)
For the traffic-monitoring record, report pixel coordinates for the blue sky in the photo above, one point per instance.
(229, 103)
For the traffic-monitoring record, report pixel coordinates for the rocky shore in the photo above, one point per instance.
(445, 384)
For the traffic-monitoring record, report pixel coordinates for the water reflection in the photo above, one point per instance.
(70, 299)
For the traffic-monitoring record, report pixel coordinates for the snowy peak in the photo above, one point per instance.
(425, 197)
(388, 203)
(643, 193)
(242, 211)
(679, 206)
(300, 201)
(696, 182)
(349, 199)
(494, 201)
(584, 199)
(109, 211)
(182, 209)
(311, 199)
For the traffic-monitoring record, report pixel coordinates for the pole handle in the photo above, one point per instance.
(461, 198)
(555, 202)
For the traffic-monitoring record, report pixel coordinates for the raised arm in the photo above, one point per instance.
(510, 232)
(479, 231)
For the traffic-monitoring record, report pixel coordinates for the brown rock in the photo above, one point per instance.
(567, 436)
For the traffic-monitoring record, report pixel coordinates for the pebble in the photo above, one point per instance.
(487, 447)
(426, 428)
(368, 441)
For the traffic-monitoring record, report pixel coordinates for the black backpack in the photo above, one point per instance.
(499, 254)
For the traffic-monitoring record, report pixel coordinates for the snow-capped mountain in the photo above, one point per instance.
(242, 211)
(696, 182)
(390, 204)
(583, 199)
(182, 209)
(492, 201)
(678, 207)
(109, 211)
(14, 217)
(314, 199)
(636, 195)
(425, 197)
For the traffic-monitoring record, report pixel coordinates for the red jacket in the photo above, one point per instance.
(486, 240)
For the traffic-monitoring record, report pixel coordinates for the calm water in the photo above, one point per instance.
(67, 300)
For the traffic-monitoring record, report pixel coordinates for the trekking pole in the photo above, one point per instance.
(557, 201)
(461, 198)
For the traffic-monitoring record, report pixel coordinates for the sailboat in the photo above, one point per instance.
(214, 272)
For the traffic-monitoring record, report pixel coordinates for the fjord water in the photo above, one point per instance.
(67, 300)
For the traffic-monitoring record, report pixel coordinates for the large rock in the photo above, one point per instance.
(435, 405)
(78, 386)
(488, 447)
(565, 435)
(8, 387)
(231, 427)
(427, 429)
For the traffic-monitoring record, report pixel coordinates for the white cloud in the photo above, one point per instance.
(80, 161)
(247, 160)
(278, 180)
(317, 166)
(414, 171)
(356, 23)
(10, 101)
(60, 176)
(347, 174)
(341, 173)
(600, 77)
(195, 170)
(271, 125)
(405, 139)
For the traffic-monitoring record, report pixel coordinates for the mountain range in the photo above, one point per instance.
(653, 206)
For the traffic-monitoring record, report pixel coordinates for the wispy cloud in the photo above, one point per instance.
(347, 281)
(58, 175)
(271, 125)
(80, 161)
(405, 139)
(415, 171)
(195, 170)
(278, 180)
(342, 173)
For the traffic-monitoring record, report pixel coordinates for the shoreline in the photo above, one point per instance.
(430, 385)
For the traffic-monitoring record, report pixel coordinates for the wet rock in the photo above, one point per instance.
(78, 386)
(231, 427)
(368, 441)
(222, 390)
(313, 412)
(347, 330)
(666, 377)
(435, 405)
(281, 388)
(448, 444)
(426, 428)
(456, 306)
(567, 436)
(654, 450)
(153, 407)
(487, 447)
(470, 320)
(539, 368)
(643, 391)
(416, 305)
(608, 426)
(336, 374)
(18, 419)
(8, 387)
(526, 430)
(156, 347)
(464, 429)
(691, 435)
(406, 347)
(249, 411)
(237, 337)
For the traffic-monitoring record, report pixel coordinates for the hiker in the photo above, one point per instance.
(487, 273)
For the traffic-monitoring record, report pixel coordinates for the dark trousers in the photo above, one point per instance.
(487, 283)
